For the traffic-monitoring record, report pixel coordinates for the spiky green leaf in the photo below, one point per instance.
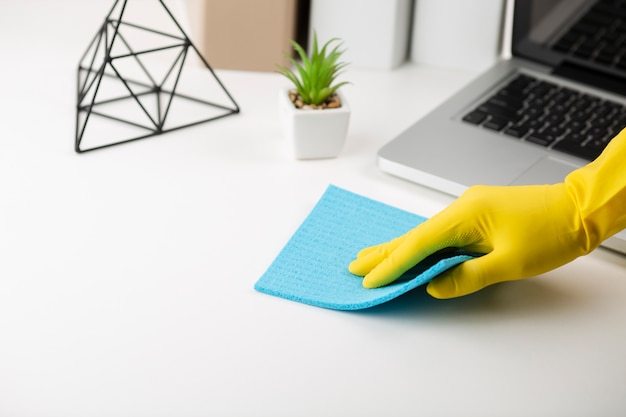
(314, 75)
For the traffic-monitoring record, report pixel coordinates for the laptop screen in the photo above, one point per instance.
(580, 39)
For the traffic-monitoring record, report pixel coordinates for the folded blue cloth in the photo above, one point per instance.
(312, 268)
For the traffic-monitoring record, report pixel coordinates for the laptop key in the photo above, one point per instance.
(496, 123)
(476, 117)
(597, 144)
(541, 138)
(535, 124)
(516, 130)
(588, 153)
(498, 110)
(555, 131)
(508, 102)
(575, 137)
(598, 133)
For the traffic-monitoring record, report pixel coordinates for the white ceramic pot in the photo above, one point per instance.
(314, 134)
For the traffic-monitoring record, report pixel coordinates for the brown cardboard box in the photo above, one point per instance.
(244, 34)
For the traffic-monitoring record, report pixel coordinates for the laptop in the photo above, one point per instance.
(531, 118)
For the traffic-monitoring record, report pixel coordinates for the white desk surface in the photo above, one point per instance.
(126, 274)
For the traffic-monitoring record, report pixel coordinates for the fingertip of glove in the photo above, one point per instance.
(369, 284)
(373, 280)
(443, 288)
(446, 287)
(365, 251)
(355, 268)
(435, 291)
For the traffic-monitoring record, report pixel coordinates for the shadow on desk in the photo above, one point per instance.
(529, 297)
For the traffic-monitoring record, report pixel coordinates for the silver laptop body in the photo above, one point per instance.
(444, 152)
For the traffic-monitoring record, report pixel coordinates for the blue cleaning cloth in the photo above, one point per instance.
(312, 268)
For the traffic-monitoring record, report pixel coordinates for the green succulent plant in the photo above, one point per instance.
(314, 76)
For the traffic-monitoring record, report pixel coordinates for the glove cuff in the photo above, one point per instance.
(598, 191)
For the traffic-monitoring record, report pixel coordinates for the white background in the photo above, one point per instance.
(126, 274)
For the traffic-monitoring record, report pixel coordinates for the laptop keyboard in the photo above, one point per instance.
(600, 35)
(550, 115)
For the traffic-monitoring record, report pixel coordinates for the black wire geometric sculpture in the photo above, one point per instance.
(135, 81)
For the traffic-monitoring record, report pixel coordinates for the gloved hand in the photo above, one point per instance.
(523, 230)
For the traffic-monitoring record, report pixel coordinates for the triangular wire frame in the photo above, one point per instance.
(105, 82)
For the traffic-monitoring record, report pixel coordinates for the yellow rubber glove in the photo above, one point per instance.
(523, 230)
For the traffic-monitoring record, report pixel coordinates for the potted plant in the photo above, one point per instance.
(314, 114)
